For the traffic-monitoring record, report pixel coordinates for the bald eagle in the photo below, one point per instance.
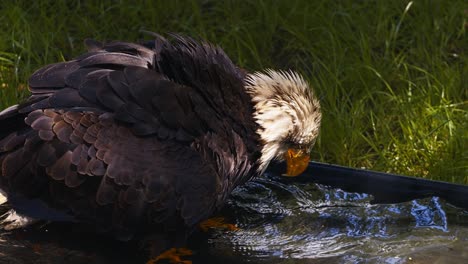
(151, 137)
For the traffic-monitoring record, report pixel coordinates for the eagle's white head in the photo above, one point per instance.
(288, 115)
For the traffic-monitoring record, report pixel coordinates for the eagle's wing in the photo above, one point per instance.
(109, 139)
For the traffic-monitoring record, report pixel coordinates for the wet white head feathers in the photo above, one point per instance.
(286, 110)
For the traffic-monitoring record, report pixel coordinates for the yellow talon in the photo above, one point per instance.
(217, 222)
(173, 255)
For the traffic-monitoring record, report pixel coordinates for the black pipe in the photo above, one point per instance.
(384, 187)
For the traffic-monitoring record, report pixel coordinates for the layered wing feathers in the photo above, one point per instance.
(126, 135)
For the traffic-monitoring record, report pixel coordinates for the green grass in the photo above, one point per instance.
(392, 75)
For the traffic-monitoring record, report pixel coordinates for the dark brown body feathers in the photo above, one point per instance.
(131, 137)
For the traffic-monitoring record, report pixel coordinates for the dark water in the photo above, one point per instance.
(280, 223)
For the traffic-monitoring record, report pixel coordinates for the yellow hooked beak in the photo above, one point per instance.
(297, 161)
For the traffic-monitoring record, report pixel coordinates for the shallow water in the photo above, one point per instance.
(280, 222)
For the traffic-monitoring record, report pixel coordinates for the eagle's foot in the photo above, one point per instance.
(218, 223)
(172, 255)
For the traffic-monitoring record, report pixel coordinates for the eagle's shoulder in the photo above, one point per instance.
(180, 84)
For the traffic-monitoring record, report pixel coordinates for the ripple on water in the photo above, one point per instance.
(310, 222)
(283, 222)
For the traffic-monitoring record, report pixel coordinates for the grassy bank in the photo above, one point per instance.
(392, 75)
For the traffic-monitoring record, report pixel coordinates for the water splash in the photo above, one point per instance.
(308, 222)
(285, 222)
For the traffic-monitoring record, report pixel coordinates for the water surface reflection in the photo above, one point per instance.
(308, 223)
(280, 222)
